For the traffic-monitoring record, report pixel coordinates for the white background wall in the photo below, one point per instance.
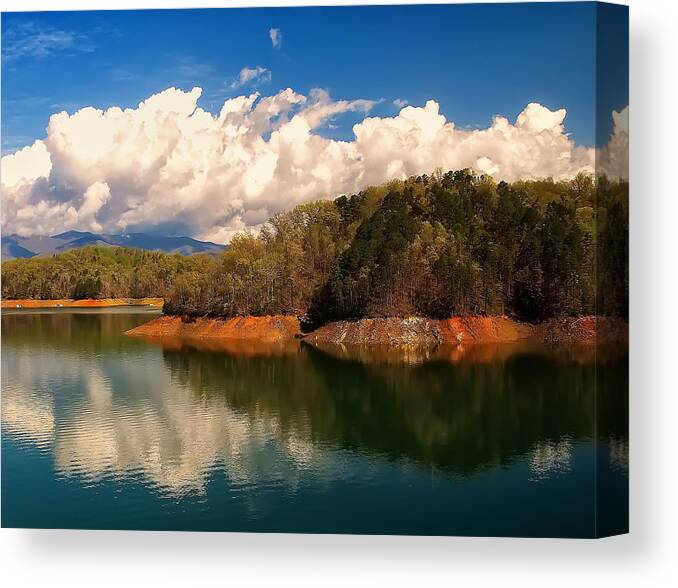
(645, 557)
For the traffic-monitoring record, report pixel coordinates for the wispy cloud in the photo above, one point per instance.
(251, 77)
(189, 70)
(13, 104)
(400, 102)
(276, 38)
(122, 75)
(70, 105)
(32, 40)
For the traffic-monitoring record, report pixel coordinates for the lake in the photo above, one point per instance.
(105, 431)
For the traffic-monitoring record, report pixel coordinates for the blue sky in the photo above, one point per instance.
(474, 60)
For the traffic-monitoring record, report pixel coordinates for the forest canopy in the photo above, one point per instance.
(440, 245)
(98, 272)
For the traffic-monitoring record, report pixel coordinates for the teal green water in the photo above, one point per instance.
(100, 430)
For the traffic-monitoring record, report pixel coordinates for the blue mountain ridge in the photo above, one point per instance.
(14, 246)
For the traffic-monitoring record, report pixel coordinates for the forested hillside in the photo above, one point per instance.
(99, 272)
(441, 245)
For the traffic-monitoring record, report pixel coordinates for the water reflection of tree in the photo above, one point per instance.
(78, 331)
(458, 417)
(458, 410)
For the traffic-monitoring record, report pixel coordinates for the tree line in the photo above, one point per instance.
(435, 245)
(98, 272)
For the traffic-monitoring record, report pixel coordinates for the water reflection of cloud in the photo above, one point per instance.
(26, 416)
(166, 434)
(550, 459)
(174, 419)
(618, 448)
(173, 444)
(27, 405)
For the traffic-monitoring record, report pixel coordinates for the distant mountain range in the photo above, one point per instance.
(14, 246)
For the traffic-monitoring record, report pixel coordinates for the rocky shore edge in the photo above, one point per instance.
(415, 331)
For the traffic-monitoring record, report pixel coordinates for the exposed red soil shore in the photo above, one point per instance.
(84, 303)
(262, 328)
(413, 331)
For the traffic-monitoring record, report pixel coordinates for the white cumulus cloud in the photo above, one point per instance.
(26, 165)
(169, 164)
(94, 198)
(613, 158)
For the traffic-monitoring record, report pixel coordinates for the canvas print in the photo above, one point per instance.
(355, 269)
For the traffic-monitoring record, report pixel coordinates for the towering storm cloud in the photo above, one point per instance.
(170, 164)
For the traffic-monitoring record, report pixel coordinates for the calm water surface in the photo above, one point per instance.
(100, 430)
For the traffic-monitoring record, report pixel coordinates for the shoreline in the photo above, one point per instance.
(390, 331)
(394, 332)
(265, 329)
(82, 303)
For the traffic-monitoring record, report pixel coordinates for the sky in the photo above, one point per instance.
(410, 68)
